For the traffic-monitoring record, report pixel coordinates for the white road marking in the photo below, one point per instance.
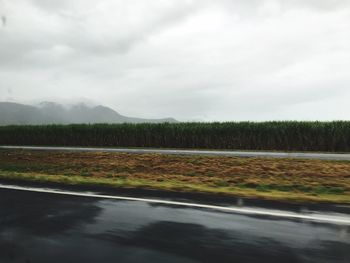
(320, 156)
(342, 220)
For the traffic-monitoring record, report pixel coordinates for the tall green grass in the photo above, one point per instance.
(285, 135)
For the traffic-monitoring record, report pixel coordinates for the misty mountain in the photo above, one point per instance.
(54, 113)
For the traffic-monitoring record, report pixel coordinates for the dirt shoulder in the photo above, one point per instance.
(292, 180)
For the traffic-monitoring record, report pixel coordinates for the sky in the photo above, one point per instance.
(194, 60)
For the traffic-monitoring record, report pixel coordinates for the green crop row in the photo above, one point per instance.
(283, 135)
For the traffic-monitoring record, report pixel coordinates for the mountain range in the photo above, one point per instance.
(55, 113)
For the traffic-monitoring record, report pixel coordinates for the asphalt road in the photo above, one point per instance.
(51, 227)
(319, 156)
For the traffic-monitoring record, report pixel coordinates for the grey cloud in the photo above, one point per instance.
(189, 59)
(325, 5)
(85, 33)
(250, 7)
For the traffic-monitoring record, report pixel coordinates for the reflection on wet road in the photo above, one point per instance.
(40, 227)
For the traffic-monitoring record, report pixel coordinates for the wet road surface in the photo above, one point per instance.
(317, 156)
(46, 227)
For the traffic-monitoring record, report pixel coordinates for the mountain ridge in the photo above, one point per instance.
(47, 112)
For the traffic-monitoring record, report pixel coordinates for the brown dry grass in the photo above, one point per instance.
(307, 177)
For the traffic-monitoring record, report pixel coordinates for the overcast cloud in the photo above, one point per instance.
(188, 59)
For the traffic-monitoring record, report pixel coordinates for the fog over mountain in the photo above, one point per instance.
(55, 113)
